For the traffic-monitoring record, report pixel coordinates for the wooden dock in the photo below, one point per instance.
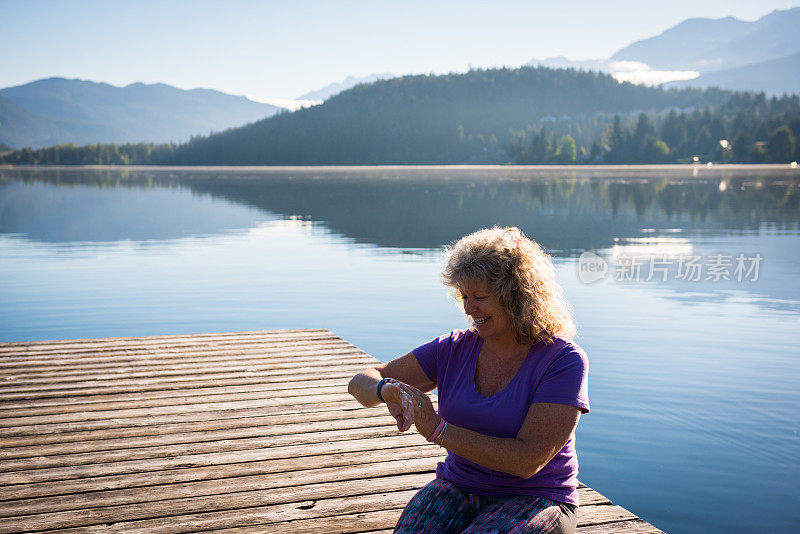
(232, 432)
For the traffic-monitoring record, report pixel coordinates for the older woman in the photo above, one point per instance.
(511, 390)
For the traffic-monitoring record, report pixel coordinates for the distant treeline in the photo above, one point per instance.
(747, 128)
(95, 154)
(522, 116)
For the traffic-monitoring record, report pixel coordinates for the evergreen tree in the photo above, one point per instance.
(538, 147)
(743, 147)
(644, 127)
(618, 142)
(781, 145)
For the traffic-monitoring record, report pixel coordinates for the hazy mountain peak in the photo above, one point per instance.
(331, 89)
(705, 44)
(726, 52)
(779, 14)
(562, 62)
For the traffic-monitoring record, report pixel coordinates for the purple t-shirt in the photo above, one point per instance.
(555, 373)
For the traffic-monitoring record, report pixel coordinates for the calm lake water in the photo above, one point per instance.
(694, 379)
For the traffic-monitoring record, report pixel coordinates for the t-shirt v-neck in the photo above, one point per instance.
(476, 356)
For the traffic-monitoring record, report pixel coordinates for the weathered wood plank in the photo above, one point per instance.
(293, 479)
(340, 524)
(632, 526)
(212, 503)
(312, 466)
(272, 353)
(279, 349)
(291, 402)
(300, 452)
(279, 424)
(306, 369)
(204, 398)
(337, 428)
(72, 345)
(282, 375)
(68, 458)
(182, 395)
(143, 348)
(310, 353)
(233, 379)
(276, 354)
(166, 428)
(596, 515)
(150, 420)
(263, 515)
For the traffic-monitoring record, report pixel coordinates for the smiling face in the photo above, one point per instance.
(488, 317)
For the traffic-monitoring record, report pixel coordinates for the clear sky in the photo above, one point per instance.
(282, 49)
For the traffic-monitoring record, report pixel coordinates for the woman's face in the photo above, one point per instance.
(487, 315)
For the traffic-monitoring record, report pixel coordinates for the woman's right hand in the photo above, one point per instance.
(399, 404)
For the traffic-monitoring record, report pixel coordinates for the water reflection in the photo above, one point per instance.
(413, 209)
(108, 207)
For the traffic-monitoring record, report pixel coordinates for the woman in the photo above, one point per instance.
(511, 389)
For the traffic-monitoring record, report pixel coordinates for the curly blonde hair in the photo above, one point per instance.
(521, 276)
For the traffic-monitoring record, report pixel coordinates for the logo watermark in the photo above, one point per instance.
(591, 268)
(742, 268)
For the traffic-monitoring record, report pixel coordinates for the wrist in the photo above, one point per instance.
(382, 383)
(437, 430)
(440, 440)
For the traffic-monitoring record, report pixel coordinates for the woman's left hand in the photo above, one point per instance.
(425, 417)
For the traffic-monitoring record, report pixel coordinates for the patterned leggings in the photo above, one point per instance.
(441, 507)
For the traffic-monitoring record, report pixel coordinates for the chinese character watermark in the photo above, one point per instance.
(751, 270)
(689, 268)
(740, 268)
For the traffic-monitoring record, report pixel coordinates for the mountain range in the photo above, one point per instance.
(708, 45)
(700, 52)
(58, 111)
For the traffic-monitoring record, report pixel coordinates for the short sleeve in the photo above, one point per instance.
(434, 356)
(426, 357)
(566, 380)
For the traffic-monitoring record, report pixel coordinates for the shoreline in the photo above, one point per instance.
(693, 168)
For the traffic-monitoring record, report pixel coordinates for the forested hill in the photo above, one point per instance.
(448, 119)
